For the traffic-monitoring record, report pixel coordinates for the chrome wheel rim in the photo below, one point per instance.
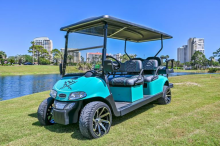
(168, 96)
(50, 114)
(101, 121)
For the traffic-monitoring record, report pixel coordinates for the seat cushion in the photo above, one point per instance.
(150, 78)
(126, 80)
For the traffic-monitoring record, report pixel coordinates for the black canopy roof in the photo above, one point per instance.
(117, 29)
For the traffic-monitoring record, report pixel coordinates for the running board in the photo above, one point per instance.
(139, 103)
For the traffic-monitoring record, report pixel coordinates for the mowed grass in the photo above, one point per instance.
(194, 71)
(34, 69)
(29, 69)
(192, 118)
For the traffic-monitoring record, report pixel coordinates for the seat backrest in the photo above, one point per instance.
(150, 64)
(131, 66)
(158, 59)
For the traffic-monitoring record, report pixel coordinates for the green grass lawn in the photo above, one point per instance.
(192, 118)
(195, 71)
(29, 69)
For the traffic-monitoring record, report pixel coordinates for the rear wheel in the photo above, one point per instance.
(166, 98)
(45, 112)
(95, 120)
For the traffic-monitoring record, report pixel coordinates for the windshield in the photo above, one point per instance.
(84, 52)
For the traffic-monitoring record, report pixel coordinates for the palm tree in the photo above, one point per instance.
(58, 54)
(3, 55)
(88, 59)
(32, 42)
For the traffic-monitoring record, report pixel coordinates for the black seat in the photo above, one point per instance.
(150, 66)
(126, 80)
(132, 66)
(150, 78)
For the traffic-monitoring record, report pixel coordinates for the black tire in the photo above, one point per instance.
(166, 98)
(93, 117)
(45, 112)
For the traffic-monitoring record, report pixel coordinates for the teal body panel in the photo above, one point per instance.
(92, 86)
(127, 94)
(155, 86)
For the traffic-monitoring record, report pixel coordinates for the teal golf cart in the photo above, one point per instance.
(115, 88)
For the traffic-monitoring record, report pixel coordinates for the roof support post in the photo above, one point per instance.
(161, 46)
(105, 43)
(125, 49)
(65, 53)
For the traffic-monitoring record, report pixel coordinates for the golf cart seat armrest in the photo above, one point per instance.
(156, 72)
(140, 74)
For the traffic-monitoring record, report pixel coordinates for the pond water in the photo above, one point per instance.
(17, 86)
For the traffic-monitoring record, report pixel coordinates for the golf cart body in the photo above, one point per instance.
(122, 87)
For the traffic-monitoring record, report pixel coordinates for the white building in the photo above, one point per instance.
(182, 54)
(195, 44)
(185, 53)
(117, 56)
(72, 56)
(46, 43)
(93, 57)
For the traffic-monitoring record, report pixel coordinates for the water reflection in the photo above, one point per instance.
(16, 86)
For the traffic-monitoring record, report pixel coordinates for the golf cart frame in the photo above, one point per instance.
(108, 95)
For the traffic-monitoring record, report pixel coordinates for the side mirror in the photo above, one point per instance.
(61, 68)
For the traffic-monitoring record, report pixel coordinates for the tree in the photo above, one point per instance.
(124, 58)
(217, 54)
(82, 59)
(11, 61)
(3, 55)
(177, 63)
(40, 51)
(32, 43)
(70, 57)
(187, 63)
(57, 54)
(162, 57)
(198, 59)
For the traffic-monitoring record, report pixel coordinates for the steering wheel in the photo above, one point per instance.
(117, 64)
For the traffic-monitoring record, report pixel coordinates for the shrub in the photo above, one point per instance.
(212, 70)
(44, 61)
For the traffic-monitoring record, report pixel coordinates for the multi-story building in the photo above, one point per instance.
(72, 56)
(195, 44)
(117, 56)
(185, 53)
(93, 57)
(182, 54)
(46, 43)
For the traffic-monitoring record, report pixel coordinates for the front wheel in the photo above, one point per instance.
(45, 112)
(166, 98)
(95, 120)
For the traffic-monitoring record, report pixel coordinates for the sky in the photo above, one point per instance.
(23, 20)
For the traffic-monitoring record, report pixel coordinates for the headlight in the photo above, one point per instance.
(77, 95)
(53, 93)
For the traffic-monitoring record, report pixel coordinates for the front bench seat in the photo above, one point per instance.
(126, 80)
(134, 66)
